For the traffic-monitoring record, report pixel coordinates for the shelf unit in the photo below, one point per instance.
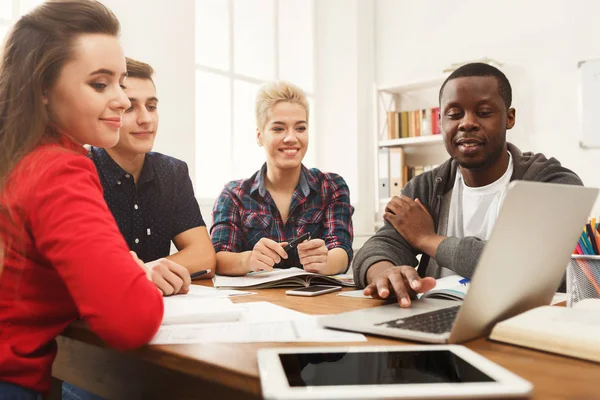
(413, 141)
(420, 150)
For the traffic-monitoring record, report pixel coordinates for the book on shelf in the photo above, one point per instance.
(435, 121)
(416, 123)
(413, 171)
(404, 124)
(290, 277)
(573, 332)
(394, 173)
(426, 128)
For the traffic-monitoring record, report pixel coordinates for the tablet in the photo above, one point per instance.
(399, 372)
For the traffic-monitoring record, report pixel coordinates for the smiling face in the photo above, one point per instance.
(285, 136)
(87, 101)
(474, 120)
(140, 121)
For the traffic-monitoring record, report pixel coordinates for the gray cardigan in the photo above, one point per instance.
(434, 189)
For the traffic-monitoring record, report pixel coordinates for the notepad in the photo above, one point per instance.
(189, 309)
(572, 332)
(291, 277)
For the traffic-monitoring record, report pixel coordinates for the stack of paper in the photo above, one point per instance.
(259, 322)
(188, 309)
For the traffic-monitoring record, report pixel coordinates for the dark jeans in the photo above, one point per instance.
(8, 391)
(71, 392)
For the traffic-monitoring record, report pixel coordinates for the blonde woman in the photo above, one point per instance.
(253, 219)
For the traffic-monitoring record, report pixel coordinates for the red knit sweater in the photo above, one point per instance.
(64, 258)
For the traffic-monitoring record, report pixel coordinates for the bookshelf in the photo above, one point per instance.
(413, 141)
(418, 152)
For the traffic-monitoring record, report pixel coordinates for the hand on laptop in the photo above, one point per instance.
(403, 281)
(265, 254)
(169, 277)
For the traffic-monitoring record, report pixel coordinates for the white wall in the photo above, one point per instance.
(540, 44)
(344, 78)
(162, 35)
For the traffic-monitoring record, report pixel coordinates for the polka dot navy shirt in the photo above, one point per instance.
(158, 209)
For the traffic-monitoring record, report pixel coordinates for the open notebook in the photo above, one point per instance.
(448, 288)
(572, 332)
(290, 277)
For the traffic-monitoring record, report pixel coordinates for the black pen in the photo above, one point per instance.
(198, 274)
(295, 242)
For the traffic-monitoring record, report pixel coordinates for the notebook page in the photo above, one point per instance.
(189, 309)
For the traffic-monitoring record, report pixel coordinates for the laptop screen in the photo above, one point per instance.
(378, 368)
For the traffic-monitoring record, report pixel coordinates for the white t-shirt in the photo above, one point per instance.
(474, 210)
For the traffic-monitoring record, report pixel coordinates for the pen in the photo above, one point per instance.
(198, 274)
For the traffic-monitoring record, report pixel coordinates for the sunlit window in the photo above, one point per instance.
(241, 44)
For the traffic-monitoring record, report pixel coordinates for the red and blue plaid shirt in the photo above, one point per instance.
(245, 212)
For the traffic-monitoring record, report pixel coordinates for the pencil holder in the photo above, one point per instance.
(583, 278)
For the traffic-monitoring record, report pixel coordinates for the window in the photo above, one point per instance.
(241, 44)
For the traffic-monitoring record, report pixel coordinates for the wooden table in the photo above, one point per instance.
(230, 371)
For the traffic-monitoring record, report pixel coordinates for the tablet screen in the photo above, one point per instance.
(378, 368)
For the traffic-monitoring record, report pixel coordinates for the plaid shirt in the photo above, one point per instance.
(245, 212)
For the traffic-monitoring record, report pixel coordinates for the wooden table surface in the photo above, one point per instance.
(230, 371)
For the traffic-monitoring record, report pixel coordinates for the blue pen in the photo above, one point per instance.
(464, 281)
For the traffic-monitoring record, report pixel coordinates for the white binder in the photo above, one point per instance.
(383, 159)
(396, 171)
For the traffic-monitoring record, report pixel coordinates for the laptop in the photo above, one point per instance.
(520, 268)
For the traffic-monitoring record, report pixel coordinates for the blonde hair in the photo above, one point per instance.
(275, 92)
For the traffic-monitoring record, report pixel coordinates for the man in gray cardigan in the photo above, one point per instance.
(447, 214)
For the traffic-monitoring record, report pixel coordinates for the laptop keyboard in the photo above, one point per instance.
(438, 321)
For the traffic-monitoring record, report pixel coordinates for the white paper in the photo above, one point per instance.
(263, 311)
(282, 331)
(303, 330)
(210, 292)
(189, 309)
(558, 298)
(355, 293)
(309, 330)
(588, 304)
(260, 322)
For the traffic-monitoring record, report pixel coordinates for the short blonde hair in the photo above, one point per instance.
(275, 92)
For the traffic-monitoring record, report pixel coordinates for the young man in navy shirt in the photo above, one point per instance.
(151, 194)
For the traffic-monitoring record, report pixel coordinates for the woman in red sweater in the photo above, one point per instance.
(61, 78)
